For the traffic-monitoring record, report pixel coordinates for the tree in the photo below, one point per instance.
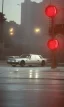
(2, 17)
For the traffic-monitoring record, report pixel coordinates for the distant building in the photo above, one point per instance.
(33, 16)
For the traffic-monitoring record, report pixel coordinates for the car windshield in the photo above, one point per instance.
(24, 56)
(40, 56)
(13, 57)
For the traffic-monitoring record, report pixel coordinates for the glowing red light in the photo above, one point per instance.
(51, 11)
(53, 44)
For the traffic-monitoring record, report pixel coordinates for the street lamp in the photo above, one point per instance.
(11, 31)
(37, 30)
(2, 5)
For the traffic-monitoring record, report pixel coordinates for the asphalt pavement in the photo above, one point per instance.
(31, 86)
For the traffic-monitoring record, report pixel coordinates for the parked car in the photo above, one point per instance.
(27, 59)
(10, 59)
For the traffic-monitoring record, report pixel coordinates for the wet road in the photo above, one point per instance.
(31, 87)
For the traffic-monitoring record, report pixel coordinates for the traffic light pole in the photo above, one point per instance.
(51, 12)
(54, 61)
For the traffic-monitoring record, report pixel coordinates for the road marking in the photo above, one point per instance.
(45, 90)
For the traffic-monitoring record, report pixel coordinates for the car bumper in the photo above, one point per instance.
(12, 63)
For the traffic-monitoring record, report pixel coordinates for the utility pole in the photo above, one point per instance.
(2, 17)
(2, 37)
(2, 5)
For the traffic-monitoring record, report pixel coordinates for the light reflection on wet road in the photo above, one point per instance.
(31, 87)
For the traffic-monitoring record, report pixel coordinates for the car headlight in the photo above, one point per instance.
(13, 60)
(16, 61)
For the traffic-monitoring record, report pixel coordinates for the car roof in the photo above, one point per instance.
(30, 54)
(12, 56)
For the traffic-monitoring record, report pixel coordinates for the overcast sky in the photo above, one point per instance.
(12, 10)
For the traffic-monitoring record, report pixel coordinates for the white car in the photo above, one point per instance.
(27, 59)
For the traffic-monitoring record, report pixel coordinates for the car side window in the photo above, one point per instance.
(40, 56)
(29, 56)
(33, 57)
(37, 57)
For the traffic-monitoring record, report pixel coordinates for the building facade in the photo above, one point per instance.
(33, 17)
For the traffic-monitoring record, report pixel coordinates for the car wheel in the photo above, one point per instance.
(43, 63)
(30, 65)
(22, 64)
(13, 65)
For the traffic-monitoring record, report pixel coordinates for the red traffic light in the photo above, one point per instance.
(51, 11)
(53, 44)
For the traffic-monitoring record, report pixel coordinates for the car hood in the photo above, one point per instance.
(20, 58)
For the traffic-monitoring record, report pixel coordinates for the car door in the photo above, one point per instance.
(38, 59)
(28, 59)
(32, 59)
